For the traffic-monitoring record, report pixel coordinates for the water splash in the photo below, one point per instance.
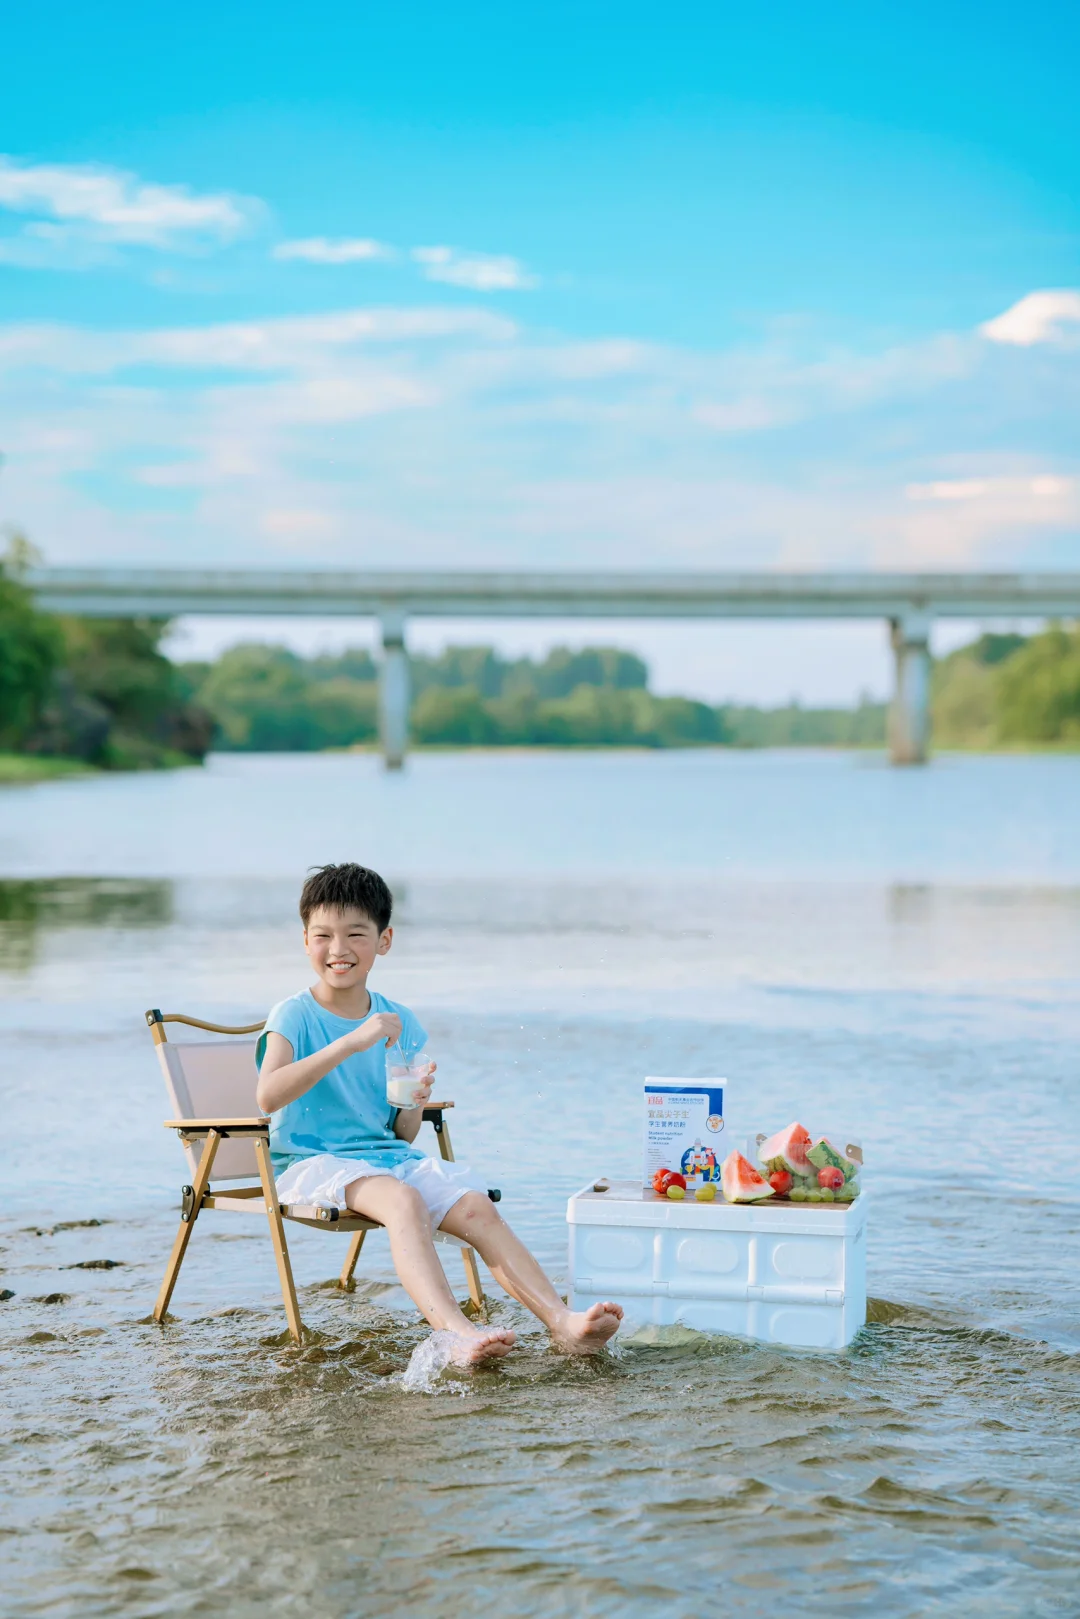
(429, 1360)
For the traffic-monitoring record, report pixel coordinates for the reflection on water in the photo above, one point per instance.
(30, 907)
(210, 1468)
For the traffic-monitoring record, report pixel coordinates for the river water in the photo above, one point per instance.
(898, 952)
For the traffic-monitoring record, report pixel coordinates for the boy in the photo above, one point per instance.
(335, 1139)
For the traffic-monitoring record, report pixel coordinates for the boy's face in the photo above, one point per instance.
(342, 946)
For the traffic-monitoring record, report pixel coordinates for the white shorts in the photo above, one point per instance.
(323, 1179)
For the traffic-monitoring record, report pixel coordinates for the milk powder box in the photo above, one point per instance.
(684, 1128)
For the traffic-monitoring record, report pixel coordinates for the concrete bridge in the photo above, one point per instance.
(908, 603)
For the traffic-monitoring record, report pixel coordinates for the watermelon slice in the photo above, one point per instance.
(740, 1181)
(789, 1146)
(823, 1155)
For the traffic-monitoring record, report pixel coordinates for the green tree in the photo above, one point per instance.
(343, 711)
(355, 663)
(454, 714)
(796, 727)
(115, 667)
(963, 702)
(477, 667)
(595, 716)
(964, 695)
(30, 646)
(680, 722)
(264, 699)
(1038, 689)
(258, 698)
(563, 671)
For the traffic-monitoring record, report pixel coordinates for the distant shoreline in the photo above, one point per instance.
(27, 770)
(30, 769)
(24, 769)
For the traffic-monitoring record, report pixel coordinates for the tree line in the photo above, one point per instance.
(999, 691)
(103, 692)
(96, 691)
(266, 698)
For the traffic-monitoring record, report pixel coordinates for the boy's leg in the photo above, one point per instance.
(475, 1218)
(404, 1213)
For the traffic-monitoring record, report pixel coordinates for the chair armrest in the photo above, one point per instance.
(257, 1126)
(225, 1127)
(433, 1112)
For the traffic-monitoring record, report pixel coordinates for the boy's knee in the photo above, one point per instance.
(407, 1200)
(477, 1207)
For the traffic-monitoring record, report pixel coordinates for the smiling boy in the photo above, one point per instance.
(335, 1139)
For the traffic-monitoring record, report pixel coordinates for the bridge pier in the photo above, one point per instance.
(393, 690)
(909, 713)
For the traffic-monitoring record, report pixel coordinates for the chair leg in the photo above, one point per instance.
(472, 1276)
(468, 1258)
(345, 1280)
(183, 1235)
(277, 1237)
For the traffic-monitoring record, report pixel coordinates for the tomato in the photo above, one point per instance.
(665, 1178)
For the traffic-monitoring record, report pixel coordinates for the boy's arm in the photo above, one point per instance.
(282, 1080)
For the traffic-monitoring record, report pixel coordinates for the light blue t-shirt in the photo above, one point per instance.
(346, 1113)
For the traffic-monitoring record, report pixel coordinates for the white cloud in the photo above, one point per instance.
(328, 400)
(300, 524)
(322, 250)
(109, 206)
(948, 489)
(480, 272)
(299, 343)
(1043, 487)
(988, 519)
(302, 341)
(452, 436)
(1041, 317)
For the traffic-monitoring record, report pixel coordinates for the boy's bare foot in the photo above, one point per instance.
(472, 1349)
(583, 1332)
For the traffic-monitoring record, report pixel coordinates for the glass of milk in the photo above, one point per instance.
(405, 1072)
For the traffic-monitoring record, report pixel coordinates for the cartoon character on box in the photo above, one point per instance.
(699, 1163)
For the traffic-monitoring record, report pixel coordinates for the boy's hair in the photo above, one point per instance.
(347, 887)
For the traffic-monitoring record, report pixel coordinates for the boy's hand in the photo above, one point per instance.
(382, 1026)
(425, 1086)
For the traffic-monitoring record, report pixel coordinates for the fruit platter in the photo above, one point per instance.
(799, 1168)
(792, 1167)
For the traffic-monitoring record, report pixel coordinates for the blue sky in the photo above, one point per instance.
(585, 285)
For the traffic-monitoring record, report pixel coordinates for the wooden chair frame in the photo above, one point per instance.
(263, 1198)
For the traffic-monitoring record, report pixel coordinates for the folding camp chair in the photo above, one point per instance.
(211, 1085)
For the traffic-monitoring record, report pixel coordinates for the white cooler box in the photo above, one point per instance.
(787, 1274)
